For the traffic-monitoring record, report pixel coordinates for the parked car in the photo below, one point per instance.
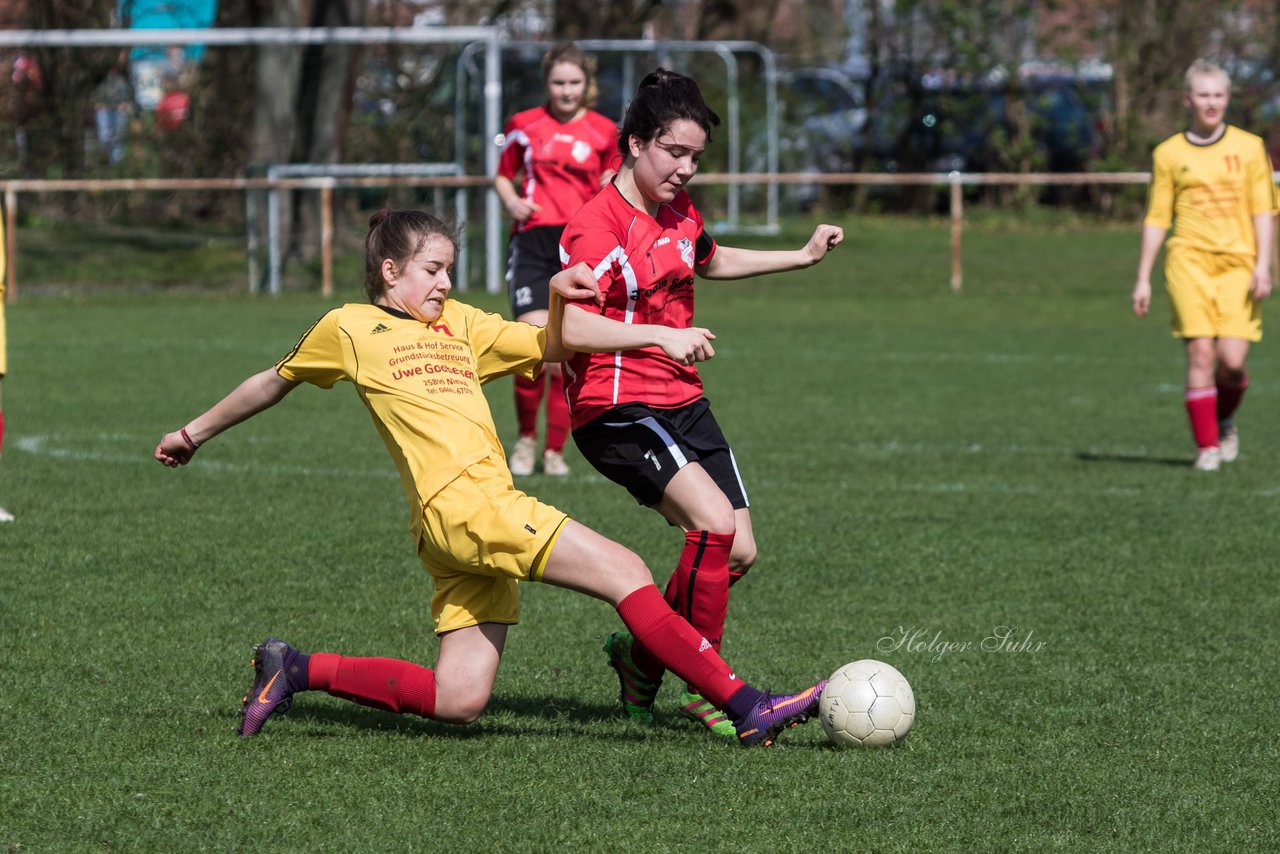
(821, 122)
(932, 122)
(962, 127)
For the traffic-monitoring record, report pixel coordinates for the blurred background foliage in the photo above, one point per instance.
(866, 86)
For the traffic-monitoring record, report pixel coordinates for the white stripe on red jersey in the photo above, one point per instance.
(562, 162)
(645, 268)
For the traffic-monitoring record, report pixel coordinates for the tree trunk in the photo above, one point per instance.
(323, 108)
(619, 19)
(275, 99)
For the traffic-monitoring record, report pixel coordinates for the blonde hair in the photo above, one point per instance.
(1204, 68)
(570, 54)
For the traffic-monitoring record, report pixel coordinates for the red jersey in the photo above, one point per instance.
(562, 161)
(645, 269)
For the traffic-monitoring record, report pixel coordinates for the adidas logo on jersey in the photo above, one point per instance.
(381, 327)
(662, 241)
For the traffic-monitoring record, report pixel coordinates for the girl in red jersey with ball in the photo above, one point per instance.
(638, 415)
(564, 151)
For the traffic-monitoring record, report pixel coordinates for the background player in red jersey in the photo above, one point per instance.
(565, 152)
(639, 416)
(418, 359)
(1214, 184)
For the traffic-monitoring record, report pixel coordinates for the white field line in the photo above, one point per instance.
(53, 447)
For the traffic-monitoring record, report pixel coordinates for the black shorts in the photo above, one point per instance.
(642, 448)
(533, 257)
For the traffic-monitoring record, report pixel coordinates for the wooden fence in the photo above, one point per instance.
(956, 181)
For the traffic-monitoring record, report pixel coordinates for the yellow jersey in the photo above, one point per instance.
(420, 382)
(1210, 192)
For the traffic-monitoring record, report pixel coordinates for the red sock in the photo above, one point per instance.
(1202, 410)
(557, 413)
(703, 583)
(528, 399)
(383, 683)
(1229, 396)
(677, 645)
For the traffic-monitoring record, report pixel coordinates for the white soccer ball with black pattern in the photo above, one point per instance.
(867, 703)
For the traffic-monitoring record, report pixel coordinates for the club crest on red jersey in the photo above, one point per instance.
(686, 251)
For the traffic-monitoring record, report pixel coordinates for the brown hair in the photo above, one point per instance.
(663, 98)
(398, 235)
(570, 54)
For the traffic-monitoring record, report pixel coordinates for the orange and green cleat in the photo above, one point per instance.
(636, 691)
(698, 708)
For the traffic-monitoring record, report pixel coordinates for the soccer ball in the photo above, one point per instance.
(867, 704)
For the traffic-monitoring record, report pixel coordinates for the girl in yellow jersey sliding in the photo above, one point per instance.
(1213, 183)
(418, 358)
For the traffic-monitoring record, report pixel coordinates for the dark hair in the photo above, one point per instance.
(398, 235)
(663, 98)
(570, 54)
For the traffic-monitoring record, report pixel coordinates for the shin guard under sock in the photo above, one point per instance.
(383, 683)
(1229, 397)
(1202, 412)
(528, 399)
(677, 646)
(557, 413)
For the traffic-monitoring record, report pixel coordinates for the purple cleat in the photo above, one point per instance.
(271, 691)
(774, 713)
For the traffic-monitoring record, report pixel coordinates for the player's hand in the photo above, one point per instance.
(577, 283)
(1141, 298)
(824, 239)
(174, 450)
(1260, 287)
(687, 346)
(522, 209)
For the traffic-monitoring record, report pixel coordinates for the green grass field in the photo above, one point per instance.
(920, 462)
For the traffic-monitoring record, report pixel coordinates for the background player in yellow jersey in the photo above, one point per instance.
(1213, 183)
(5, 515)
(418, 359)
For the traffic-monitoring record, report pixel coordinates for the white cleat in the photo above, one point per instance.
(523, 456)
(5, 515)
(1209, 459)
(553, 464)
(1229, 444)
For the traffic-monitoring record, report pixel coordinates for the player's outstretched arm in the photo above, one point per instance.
(587, 332)
(730, 262)
(260, 391)
(574, 283)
